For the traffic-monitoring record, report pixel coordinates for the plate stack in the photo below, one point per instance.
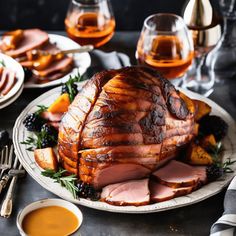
(16, 90)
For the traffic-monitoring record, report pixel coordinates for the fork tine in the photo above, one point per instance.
(10, 156)
(2, 161)
(15, 162)
(6, 155)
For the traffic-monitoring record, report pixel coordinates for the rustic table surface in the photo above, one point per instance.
(191, 220)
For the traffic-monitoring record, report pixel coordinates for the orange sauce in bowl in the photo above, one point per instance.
(50, 221)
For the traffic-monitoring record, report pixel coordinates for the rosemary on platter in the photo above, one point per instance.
(69, 182)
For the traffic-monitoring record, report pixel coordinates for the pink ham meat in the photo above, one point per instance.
(160, 192)
(177, 174)
(134, 192)
(53, 117)
(65, 64)
(32, 38)
(7, 81)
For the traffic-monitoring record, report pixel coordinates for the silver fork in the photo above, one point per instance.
(5, 159)
(6, 209)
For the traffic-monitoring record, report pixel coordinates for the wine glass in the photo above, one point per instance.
(222, 59)
(206, 32)
(90, 22)
(165, 45)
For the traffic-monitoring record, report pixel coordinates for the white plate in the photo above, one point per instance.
(81, 61)
(17, 68)
(13, 99)
(27, 160)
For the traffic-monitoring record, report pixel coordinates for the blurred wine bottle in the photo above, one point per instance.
(222, 59)
(205, 28)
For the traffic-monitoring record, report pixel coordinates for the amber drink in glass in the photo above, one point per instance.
(165, 45)
(90, 22)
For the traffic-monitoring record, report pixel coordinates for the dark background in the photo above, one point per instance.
(50, 14)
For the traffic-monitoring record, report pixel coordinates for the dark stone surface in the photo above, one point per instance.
(190, 220)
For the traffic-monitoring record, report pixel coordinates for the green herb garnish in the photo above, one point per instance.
(41, 109)
(2, 63)
(69, 182)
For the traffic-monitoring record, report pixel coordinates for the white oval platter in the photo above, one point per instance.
(27, 160)
(81, 61)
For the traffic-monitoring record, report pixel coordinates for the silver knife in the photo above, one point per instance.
(6, 209)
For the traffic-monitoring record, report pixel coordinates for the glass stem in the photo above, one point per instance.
(199, 62)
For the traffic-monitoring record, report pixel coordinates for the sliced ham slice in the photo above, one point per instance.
(177, 174)
(160, 192)
(200, 171)
(65, 64)
(11, 80)
(3, 79)
(53, 117)
(134, 192)
(32, 38)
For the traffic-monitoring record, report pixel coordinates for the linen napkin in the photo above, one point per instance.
(103, 60)
(226, 224)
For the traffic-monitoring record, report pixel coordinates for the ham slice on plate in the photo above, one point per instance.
(11, 80)
(177, 174)
(53, 117)
(133, 192)
(32, 38)
(160, 192)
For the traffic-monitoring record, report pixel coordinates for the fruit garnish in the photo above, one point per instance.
(33, 122)
(46, 158)
(67, 181)
(61, 104)
(214, 125)
(70, 86)
(87, 191)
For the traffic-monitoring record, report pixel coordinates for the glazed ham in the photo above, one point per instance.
(122, 126)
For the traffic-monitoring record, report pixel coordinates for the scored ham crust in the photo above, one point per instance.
(32, 39)
(121, 125)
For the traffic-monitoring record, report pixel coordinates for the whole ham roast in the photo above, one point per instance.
(122, 125)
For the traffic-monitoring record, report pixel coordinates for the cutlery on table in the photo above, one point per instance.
(5, 159)
(6, 209)
(6, 177)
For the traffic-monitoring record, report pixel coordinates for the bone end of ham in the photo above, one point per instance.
(177, 174)
(134, 192)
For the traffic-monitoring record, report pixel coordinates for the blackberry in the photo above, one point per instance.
(28, 73)
(50, 131)
(33, 122)
(214, 125)
(214, 172)
(86, 191)
(47, 142)
(4, 138)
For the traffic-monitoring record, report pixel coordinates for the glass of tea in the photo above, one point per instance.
(90, 22)
(165, 44)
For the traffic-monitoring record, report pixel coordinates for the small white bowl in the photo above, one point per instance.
(44, 203)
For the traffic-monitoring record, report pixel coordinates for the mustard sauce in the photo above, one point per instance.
(50, 221)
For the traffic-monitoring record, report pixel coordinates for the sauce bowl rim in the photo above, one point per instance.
(40, 204)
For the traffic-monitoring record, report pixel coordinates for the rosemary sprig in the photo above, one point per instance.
(41, 108)
(70, 86)
(2, 63)
(32, 142)
(69, 182)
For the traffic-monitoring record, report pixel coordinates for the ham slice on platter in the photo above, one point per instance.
(134, 192)
(7, 80)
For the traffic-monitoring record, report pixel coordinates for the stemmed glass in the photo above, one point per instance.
(165, 45)
(90, 22)
(206, 32)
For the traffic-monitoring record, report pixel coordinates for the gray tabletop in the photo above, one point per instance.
(191, 220)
